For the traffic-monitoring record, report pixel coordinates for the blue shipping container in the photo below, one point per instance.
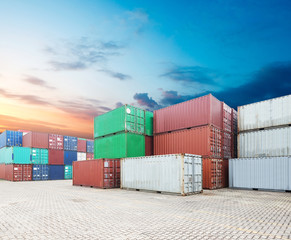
(10, 139)
(70, 157)
(90, 146)
(70, 143)
(40, 172)
(56, 172)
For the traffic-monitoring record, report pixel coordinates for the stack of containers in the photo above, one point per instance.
(56, 157)
(202, 126)
(90, 149)
(124, 132)
(70, 155)
(264, 146)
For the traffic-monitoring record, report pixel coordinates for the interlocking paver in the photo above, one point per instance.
(58, 210)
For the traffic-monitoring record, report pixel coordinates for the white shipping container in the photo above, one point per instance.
(269, 113)
(265, 143)
(271, 173)
(81, 156)
(175, 173)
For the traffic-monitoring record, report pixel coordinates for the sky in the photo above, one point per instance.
(63, 62)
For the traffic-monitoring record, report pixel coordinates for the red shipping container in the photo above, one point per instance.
(82, 145)
(205, 141)
(26, 172)
(227, 151)
(2, 171)
(56, 141)
(206, 110)
(100, 173)
(149, 146)
(215, 173)
(13, 172)
(89, 156)
(227, 118)
(35, 140)
(55, 157)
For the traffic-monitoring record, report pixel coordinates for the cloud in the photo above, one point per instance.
(144, 100)
(118, 104)
(138, 15)
(172, 97)
(38, 82)
(81, 54)
(191, 74)
(118, 75)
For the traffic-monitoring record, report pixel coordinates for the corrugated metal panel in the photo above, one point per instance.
(149, 146)
(35, 140)
(10, 139)
(81, 156)
(125, 118)
(269, 113)
(15, 155)
(39, 156)
(206, 110)
(101, 173)
(89, 156)
(55, 157)
(56, 172)
(26, 172)
(70, 157)
(179, 173)
(82, 145)
(272, 173)
(13, 172)
(2, 171)
(56, 141)
(68, 171)
(70, 143)
(90, 146)
(205, 141)
(36, 172)
(227, 118)
(265, 143)
(149, 118)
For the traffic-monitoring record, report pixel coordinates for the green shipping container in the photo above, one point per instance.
(126, 118)
(119, 145)
(17, 155)
(68, 171)
(149, 120)
(39, 156)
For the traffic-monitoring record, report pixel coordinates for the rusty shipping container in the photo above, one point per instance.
(13, 172)
(2, 171)
(149, 146)
(100, 173)
(26, 172)
(55, 157)
(82, 145)
(206, 110)
(205, 141)
(56, 141)
(215, 173)
(36, 140)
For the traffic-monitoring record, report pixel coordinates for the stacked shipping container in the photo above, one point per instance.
(264, 142)
(203, 126)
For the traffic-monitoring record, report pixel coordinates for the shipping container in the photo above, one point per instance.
(81, 156)
(56, 141)
(89, 156)
(126, 118)
(55, 157)
(56, 172)
(206, 110)
(149, 146)
(68, 171)
(10, 139)
(90, 146)
(265, 143)
(15, 155)
(35, 140)
(100, 173)
(2, 171)
(227, 145)
(269, 113)
(70, 157)
(81, 145)
(26, 172)
(40, 172)
(13, 172)
(269, 173)
(70, 143)
(234, 122)
(215, 173)
(205, 141)
(39, 156)
(179, 173)
(149, 122)
(119, 145)
(227, 118)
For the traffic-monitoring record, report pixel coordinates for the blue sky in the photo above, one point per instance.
(77, 59)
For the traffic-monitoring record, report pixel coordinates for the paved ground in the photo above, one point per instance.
(57, 210)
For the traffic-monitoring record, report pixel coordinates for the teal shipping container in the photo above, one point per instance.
(68, 171)
(124, 119)
(15, 155)
(39, 156)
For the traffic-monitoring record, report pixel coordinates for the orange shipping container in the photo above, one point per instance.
(205, 141)
(215, 173)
